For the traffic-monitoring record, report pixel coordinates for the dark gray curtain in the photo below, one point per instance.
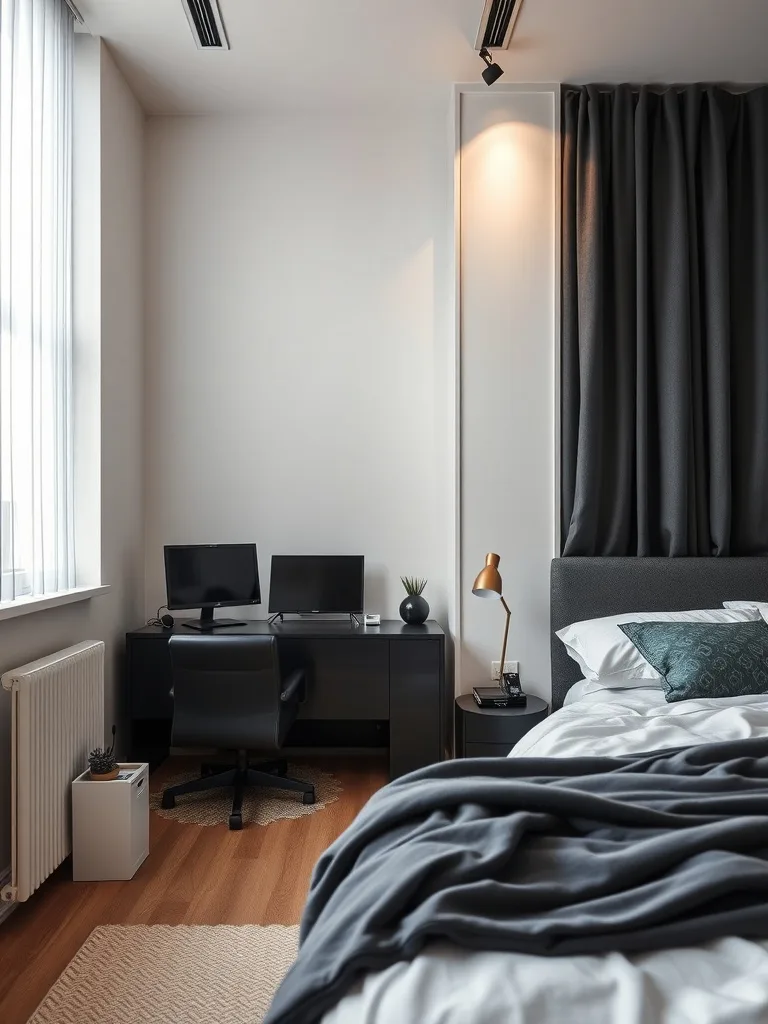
(665, 321)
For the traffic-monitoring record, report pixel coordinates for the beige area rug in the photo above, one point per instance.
(260, 806)
(172, 974)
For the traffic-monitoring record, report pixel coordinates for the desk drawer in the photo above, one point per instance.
(415, 705)
(346, 679)
(150, 678)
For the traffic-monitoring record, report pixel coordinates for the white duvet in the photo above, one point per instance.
(725, 981)
(613, 722)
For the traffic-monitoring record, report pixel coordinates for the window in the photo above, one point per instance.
(36, 458)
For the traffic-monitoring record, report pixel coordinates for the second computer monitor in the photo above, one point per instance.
(311, 584)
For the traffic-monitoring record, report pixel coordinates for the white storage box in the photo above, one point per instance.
(110, 825)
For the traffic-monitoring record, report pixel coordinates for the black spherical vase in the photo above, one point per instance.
(414, 610)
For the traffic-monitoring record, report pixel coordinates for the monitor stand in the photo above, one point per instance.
(353, 619)
(207, 621)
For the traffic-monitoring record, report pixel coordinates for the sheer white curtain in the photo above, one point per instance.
(36, 480)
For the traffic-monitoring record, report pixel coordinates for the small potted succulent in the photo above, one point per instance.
(414, 609)
(104, 767)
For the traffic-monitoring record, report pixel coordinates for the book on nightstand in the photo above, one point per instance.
(491, 697)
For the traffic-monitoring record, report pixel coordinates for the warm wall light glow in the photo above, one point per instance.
(499, 153)
(504, 160)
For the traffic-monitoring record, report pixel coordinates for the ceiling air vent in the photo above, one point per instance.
(204, 19)
(497, 24)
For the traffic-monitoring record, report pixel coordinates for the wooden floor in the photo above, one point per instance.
(193, 875)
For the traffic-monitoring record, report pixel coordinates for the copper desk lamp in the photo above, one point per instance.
(488, 585)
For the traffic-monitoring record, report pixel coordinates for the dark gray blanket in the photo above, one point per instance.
(539, 855)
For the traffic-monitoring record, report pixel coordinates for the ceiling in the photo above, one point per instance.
(343, 53)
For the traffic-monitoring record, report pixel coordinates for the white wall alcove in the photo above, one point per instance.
(507, 205)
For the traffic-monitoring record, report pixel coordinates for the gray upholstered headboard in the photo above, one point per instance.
(587, 588)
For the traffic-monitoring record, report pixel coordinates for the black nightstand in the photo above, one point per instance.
(492, 732)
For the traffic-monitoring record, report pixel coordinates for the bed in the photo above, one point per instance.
(592, 732)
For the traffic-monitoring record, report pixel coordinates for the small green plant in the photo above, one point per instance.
(413, 585)
(102, 762)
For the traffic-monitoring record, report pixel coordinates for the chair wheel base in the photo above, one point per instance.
(235, 822)
(168, 802)
(309, 798)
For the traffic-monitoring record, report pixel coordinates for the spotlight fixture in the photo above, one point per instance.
(493, 72)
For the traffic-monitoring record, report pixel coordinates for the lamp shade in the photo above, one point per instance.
(488, 583)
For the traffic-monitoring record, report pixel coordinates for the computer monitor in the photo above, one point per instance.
(209, 576)
(317, 583)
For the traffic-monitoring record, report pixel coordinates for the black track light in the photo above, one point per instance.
(493, 72)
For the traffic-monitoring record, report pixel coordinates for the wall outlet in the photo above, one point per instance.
(509, 666)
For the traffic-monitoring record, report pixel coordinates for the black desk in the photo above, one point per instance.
(375, 686)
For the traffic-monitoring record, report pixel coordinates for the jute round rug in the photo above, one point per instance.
(172, 974)
(260, 806)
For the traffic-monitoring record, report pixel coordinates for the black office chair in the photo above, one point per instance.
(228, 692)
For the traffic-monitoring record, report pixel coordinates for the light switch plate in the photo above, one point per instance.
(509, 666)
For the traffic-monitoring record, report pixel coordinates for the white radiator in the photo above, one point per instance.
(57, 719)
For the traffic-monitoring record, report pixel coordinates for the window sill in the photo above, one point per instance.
(27, 605)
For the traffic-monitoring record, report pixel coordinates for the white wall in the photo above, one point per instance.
(298, 326)
(122, 349)
(110, 110)
(507, 206)
(300, 350)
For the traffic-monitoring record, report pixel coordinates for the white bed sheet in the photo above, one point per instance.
(614, 722)
(724, 982)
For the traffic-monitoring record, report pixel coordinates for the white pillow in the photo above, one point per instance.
(600, 648)
(760, 606)
(630, 687)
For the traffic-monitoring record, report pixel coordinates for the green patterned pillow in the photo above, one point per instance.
(704, 659)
